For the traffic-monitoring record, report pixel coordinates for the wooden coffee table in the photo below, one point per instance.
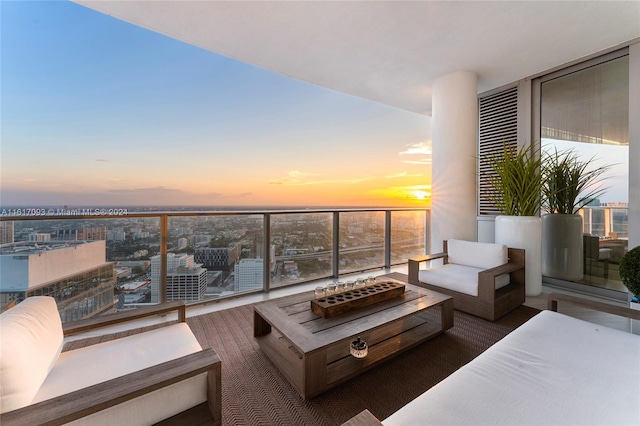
(313, 352)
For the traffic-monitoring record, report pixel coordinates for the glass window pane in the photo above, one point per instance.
(588, 112)
(301, 247)
(408, 230)
(361, 241)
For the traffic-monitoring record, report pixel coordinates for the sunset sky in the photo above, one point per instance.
(96, 111)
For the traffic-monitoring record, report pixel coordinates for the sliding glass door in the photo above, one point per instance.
(585, 109)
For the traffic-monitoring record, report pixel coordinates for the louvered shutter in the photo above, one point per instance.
(498, 123)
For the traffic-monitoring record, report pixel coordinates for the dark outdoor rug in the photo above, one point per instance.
(255, 393)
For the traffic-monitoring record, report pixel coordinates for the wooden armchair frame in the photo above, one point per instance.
(490, 303)
(83, 402)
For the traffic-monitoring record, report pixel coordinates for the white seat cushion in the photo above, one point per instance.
(94, 364)
(31, 340)
(460, 278)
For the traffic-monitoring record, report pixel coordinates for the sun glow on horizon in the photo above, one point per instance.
(421, 195)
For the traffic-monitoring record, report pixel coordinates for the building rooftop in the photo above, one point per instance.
(30, 247)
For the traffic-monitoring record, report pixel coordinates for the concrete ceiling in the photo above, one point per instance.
(391, 51)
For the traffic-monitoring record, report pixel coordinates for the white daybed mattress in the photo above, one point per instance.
(554, 369)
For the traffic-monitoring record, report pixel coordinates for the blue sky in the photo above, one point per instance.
(98, 111)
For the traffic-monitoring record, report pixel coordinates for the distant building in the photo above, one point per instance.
(76, 274)
(248, 275)
(187, 284)
(218, 258)
(142, 264)
(183, 231)
(38, 237)
(116, 235)
(7, 234)
(90, 233)
(186, 280)
(199, 239)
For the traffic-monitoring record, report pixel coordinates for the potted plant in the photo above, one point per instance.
(630, 274)
(569, 184)
(515, 177)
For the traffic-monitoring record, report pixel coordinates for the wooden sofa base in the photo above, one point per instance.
(506, 300)
(200, 415)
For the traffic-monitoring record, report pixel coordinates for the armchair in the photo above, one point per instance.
(144, 378)
(484, 279)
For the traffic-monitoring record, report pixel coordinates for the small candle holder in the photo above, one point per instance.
(340, 287)
(359, 348)
(331, 289)
(320, 292)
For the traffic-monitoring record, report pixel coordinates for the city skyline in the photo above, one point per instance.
(98, 112)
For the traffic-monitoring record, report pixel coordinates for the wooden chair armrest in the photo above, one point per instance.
(364, 418)
(414, 264)
(507, 268)
(487, 279)
(81, 326)
(427, 257)
(83, 402)
(554, 298)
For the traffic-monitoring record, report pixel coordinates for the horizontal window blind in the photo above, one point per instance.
(498, 121)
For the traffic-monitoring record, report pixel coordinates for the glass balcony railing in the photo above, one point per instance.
(95, 263)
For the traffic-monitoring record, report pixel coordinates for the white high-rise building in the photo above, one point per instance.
(248, 274)
(187, 284)
(184, 262)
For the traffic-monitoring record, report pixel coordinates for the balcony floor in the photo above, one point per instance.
(255, 392)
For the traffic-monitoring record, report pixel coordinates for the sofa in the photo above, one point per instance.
(552, 370)
(484, 279)
(143, 378)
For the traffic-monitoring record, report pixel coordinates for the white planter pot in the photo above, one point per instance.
(524, 232)
(562, 255)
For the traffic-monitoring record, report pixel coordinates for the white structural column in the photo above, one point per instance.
(454, 140)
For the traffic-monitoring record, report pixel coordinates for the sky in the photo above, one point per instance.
(98, 112)
(615, 181)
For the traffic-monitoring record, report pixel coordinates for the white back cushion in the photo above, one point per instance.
(478, 255)
(31, 340)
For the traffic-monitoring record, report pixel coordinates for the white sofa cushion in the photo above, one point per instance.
(478, 255)
(31, 339)
(94, 364)
(554, 369)
(460, 278)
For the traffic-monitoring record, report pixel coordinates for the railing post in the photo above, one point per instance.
(387, 239)
(164, 239)
(266, 244)
(427, 231)
(335, 245)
